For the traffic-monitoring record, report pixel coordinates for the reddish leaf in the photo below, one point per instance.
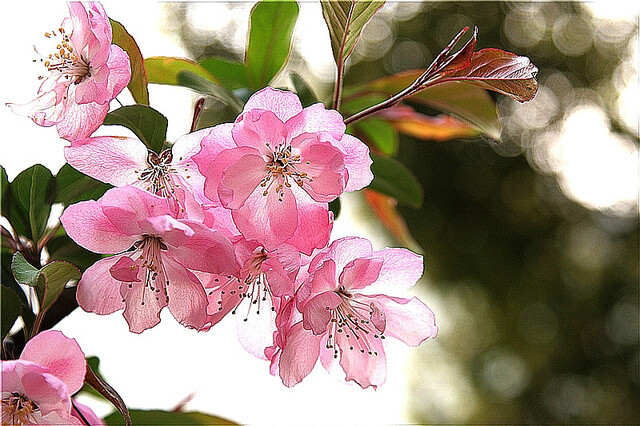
(500, 71)
(440, 128)
(384, 208)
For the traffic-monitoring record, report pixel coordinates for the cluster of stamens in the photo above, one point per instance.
(18, 410)
(281, 169)
(65, 60)
(253, 287)
(157, 175)
(350, 319)
(150, 259)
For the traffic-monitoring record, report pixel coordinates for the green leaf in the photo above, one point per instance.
(4, 187)
(394, 179)
(24, 272)
(56, 276)
(230, 74)
(145, 122)
(139, 82)
(29, 201)
(335, 206)
(49, 281)
(9, 281)
(464, 100)
(202, 85)
(345, 20)
(306, 95)
(270, 30)
(61, 247)
(378, 132)
(165, 70)
(158, 417)
(10, 309)
(73, 186)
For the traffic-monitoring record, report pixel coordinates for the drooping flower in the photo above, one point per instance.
(86, 73)
(277, 167)
(154, 256)
(122, 161)
(265, 279)
(343, 317)
(37, 387)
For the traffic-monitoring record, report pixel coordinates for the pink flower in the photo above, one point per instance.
(37, 388)
(87, 72)
(265, 278)
(340, 320)
(121, 161)
(154, 255)
(277, 167)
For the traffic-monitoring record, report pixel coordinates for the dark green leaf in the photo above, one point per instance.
(10, 305)
(335, 207)
(30, 197)
(9, 281)
(394, 179)
(4, 187)
(270, 30)
(377, 132)
(230, 74)
(61, 247)
(306, 95)
(73, 186)
(202, 85)
(345, 20)
(164, 69)
(56, 276)
(158, 417)
(138, 83)
(145, 122)
(24, 272)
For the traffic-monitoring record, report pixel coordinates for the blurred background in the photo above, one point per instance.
(531, 246)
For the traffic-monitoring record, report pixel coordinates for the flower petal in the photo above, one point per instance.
(316, 118)
(342, 251)
(114, 160)
(401, 270)
(259, 129)
(282, 103)
(299, 355)
(61, 355)
(240, 179)
(357, 161)
(98, 291)
(314, 223)
(360, 273)
(187, 298)
(365, 364)
(316, 312)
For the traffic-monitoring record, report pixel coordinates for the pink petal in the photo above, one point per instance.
(378, 317)
(114, 160)
(215, 141)
(401, 270)
(259, 129)
(316, 118)
(142, 306)
(282, 103)
(61, 355)
(125, 270)
(343, 251)
(299, 355)
(98, 291)
(33, 109)
(267, 220)
(80, 120)
(324, 278)
(316, 312)
(240, 179)
(87, 225)
(215, 169)
(314, 223)
(174, 232)
(205, 250)
(255, 330)
(325, 169)
(360, 273)
(87, 413)
(408, 320)
(357, 161)
(364, 364)
(187, 298)
(119, 71)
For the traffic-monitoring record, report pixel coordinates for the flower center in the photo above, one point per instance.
(18, 409)
(158, 176)
(350, 325)
(150, 260)
(282, 168)
(65, 61)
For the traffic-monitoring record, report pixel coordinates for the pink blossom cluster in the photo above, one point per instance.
(230, 219)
